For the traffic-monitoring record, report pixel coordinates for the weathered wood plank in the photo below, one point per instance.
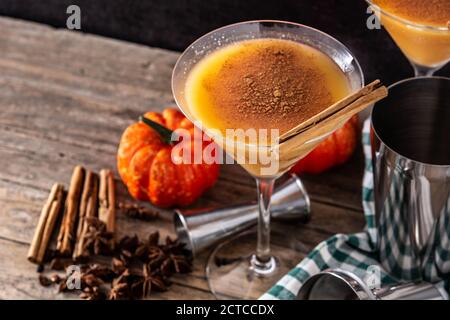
(106, 63)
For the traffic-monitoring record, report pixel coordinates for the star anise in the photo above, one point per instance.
(118, 266)
(129, 243)
(92, 293)
(120, 288)
(155, 257)
(62, 285)
(90, 280)
(126, 257)
(127, 247)
(97, 239)
(153, 239)
(102, 272)
(175, 247)
(133, 210)
(119, 292)
(123, 278)
(150, 281)
(56, 279)
(145, 251)
(141, 252)
(176, 263)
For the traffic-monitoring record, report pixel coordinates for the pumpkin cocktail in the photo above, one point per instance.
(262, 84)
(246, 85)
(420, 28)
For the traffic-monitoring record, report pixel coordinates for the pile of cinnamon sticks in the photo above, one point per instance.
(89, 196)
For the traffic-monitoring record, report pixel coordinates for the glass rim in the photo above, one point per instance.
(406, 21)
(185, 51)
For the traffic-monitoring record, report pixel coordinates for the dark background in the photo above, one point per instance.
(174, 24)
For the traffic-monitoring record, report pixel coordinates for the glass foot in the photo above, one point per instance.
(234, 273)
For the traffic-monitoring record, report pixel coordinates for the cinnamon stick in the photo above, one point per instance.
(107, 199)
(55, 210)
(49, 214)
(85, 195)
(67, 231)
(347, 106)
(88, 208)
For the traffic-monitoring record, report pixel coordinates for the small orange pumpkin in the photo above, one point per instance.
(334, 150)
(146, 167)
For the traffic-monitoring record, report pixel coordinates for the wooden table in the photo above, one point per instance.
(65, 98)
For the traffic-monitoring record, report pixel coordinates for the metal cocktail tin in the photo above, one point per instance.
(201, 228)
(337, 284)
(411, 166)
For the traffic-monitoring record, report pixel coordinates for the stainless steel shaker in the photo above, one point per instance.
(410, 140)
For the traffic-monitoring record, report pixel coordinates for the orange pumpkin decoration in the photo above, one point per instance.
(334, 150)
(144, 161)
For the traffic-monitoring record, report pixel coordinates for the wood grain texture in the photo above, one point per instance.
(65, 98)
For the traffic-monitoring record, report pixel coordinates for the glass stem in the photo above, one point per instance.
(265, 189)
(421, 71)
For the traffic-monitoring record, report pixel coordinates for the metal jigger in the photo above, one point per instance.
(337, 284)
(201, 228)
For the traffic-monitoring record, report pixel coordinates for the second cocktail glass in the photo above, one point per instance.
(246, 273)
(426, 45)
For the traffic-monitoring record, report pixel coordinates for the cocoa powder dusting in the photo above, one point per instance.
(434, 12)
(272, 85)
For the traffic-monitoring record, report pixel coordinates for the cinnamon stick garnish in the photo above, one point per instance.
(88, 208)
(47, 220)
(67, 231)
(346, 107)
(107, 200)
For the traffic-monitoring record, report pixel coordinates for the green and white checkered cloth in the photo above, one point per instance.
(357, 253)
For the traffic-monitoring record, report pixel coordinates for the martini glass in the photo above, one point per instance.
(235, 269)
(427, 47)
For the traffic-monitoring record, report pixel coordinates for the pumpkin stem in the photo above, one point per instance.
(164, 133)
